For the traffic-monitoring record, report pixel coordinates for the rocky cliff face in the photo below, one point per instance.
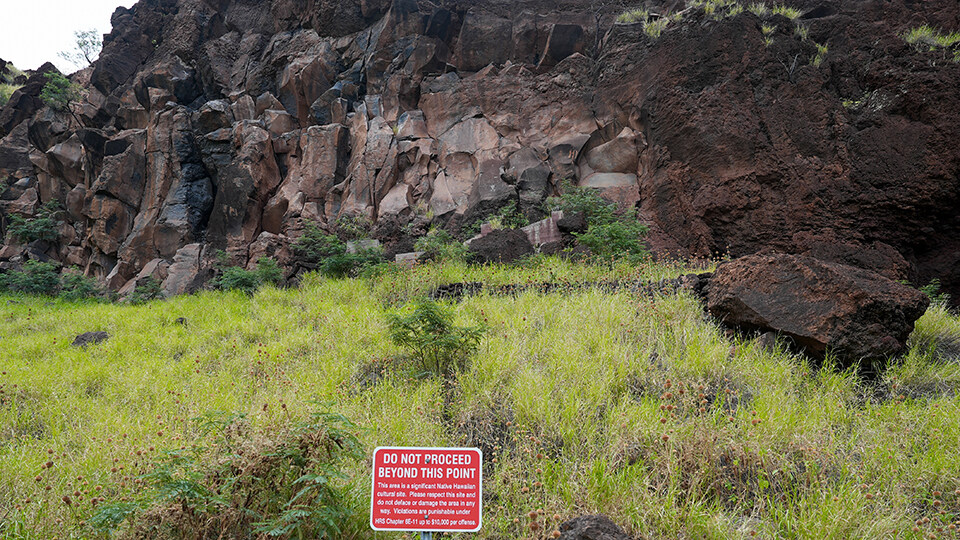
(231, 124)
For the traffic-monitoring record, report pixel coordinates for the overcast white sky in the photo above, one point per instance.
(34, 31)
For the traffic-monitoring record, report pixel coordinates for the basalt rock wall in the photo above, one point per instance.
(230, 125)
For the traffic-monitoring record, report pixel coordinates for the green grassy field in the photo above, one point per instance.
(634, 406)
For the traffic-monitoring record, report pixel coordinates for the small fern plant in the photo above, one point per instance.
(435, 341)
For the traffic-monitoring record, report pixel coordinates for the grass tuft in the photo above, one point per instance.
(931, 37)
(759, 9)
(633, 16)
(821, 54)
(786, 11)
(655, 27)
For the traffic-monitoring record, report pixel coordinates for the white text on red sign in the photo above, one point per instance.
(427, 489)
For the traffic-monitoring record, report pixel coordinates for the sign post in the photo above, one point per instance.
(427, 489)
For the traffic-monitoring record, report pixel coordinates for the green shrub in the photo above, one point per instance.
(59, 92)
(76, 286)
(315, 245)
(655, 27)
(147, 289)
(586, 201)
(248, 281)
(935, 294)
(268, 271)
(617, 239)
(434, 341)
(328, 254)
(354, 227)
(351, 264)
(651, 27)
(377, 270)
(285, 485)
(608, 235)
(36, 278)
(439, 245)
(43, 226)
(717, 9)
(237, 278)
(86, 48)
(508, 217)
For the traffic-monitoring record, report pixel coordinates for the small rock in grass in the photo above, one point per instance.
(596, 527)
(90, 337)
(768, 341)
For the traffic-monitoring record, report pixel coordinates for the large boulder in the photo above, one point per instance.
(502, 245)
(856, 314)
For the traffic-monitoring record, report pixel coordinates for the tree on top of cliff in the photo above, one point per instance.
(86, 48)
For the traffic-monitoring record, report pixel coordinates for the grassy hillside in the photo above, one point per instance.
(586, 401)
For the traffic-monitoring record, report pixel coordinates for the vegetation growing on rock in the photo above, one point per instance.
(59, 92)
(9, 77)
(42, 226)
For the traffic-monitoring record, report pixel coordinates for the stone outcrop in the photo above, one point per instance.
(231, 126)
(857, 315)
(501, 246)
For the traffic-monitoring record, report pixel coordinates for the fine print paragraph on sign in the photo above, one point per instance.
(427, 489)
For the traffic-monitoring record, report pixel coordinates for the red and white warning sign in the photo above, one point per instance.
(427, 489)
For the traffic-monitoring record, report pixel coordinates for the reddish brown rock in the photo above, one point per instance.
(112, 222)
(563, 41)
(856, 315)
(25, 101)
(272, 246)
(501, 246)
(305, 79)
(185, 274)
(26, 204)
(155, 269)
(279, 122)
(453, 111)
(481, 41)
(122, 173)
(15, 154)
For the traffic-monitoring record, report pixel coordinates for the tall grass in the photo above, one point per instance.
(6, 91)
(633, 16)
(633, 405)
(931, 37)
(786, 11)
